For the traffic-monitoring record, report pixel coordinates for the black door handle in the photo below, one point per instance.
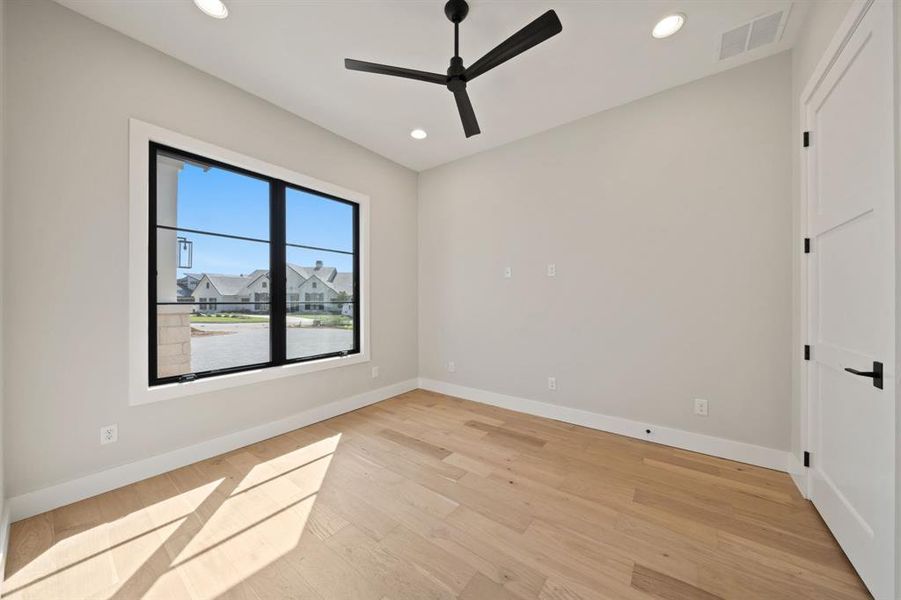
(876, 373)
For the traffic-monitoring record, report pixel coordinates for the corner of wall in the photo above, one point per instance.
(419, 274)
(4, 506)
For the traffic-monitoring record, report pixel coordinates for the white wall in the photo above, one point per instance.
(72, 86)
(823, 19)
(669, 221)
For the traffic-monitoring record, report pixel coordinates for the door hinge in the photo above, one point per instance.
(806, 458)
(806, 245)
(806, 352)
(806, 140)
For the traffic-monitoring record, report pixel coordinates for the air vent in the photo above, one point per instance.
(764, 31)
(735, 42)
(759, 32)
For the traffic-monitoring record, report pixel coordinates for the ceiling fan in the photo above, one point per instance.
(542, 28)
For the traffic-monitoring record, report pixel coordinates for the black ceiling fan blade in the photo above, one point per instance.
(542, 28)
(368, 67)
(467, 114)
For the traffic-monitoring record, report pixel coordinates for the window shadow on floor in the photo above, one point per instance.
(210, 525)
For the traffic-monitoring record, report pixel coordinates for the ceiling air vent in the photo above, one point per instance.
(735, 42)
(759, 32)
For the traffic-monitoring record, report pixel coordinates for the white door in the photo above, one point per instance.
(849, 178)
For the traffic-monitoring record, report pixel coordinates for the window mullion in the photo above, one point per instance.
(278, 278)
(356, 278)
(152, 270)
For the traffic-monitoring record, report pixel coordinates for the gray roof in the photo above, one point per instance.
(256, 275)
(324, 273)
(343, 282)
(228, 285)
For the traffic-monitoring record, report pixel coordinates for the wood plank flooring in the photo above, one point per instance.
(425, 496)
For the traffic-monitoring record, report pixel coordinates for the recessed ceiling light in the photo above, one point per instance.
(668, 25)
(419, 134)
(213, 8)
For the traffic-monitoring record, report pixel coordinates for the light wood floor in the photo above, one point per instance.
(425, 496)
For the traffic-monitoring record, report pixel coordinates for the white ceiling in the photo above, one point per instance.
(291, 53)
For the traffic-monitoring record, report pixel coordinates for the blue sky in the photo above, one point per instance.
(220, 201)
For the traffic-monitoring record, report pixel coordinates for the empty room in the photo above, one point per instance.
(446, 299)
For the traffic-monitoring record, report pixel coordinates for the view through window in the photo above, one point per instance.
(247, 271)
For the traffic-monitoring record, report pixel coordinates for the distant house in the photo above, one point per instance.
(318, 289)
(309, 289)
(186, 284)
(233, 293)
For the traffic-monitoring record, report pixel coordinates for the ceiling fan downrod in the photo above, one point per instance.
(456, 11)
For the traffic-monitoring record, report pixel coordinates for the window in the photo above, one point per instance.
(256, 239)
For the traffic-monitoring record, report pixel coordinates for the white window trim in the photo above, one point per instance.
(139, 390)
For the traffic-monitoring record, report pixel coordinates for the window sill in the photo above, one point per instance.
(147, 395)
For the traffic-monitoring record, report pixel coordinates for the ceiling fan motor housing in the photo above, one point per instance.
(456, 10)
(455, 75)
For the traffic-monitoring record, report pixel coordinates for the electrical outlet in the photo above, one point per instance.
(552, 270)
(508, 272)
(109, 434)
(451, 366)
(552, 383)
(375, 372)
(700, 407)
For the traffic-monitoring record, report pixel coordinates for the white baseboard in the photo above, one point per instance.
(36, 502)
(760, 456)
(798, 474)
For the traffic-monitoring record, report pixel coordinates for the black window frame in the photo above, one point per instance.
(278, 244)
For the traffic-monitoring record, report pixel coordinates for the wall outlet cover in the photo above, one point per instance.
(700, 407)
(109, 434)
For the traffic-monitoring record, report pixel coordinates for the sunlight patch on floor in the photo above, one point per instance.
(202, 529)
